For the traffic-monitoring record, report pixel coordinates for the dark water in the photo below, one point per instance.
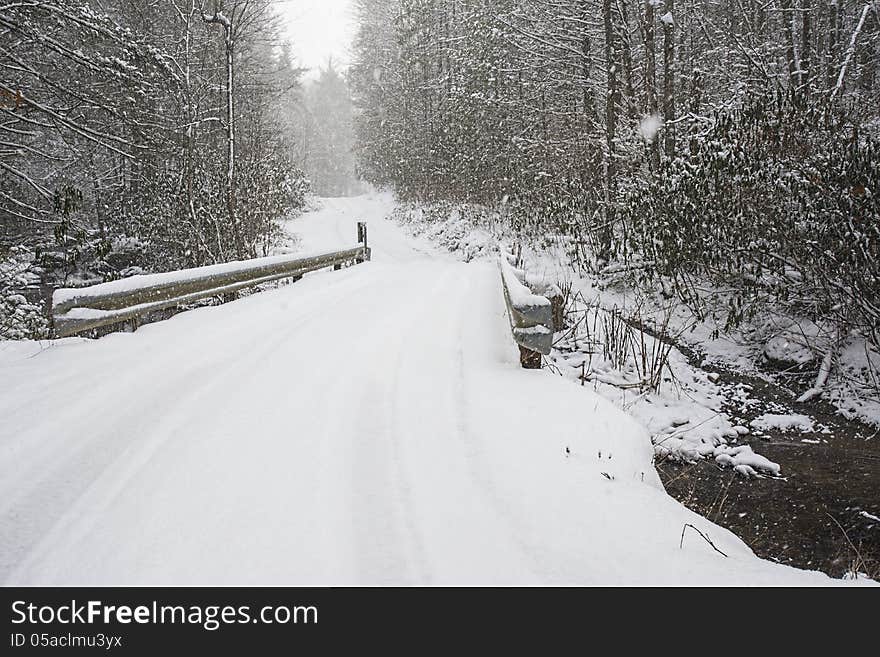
(811, 518)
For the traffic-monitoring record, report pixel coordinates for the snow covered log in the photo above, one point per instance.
(79, 309)
(531, 316)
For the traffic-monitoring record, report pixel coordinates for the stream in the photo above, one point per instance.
(824, 511)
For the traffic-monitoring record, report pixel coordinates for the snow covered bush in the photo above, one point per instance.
(465, 229)
(20, 319)
(777, 208)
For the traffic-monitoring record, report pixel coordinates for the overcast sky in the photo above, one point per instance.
(319, 29)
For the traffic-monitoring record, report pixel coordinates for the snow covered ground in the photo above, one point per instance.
(366, 426)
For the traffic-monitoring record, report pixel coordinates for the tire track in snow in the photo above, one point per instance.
(479, 464)
(54, 516)
(399, 436)
(462, 537)
(384, 546)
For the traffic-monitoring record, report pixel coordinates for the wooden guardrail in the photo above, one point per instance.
(531, 316)
(78, 309)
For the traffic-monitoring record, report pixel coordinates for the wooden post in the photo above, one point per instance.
(558, 306)
(362, 239)
(530, 360)
(530, 316)
(46, 292)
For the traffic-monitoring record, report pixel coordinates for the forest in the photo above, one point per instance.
(151, 136)
(725, 153)
(721, 154)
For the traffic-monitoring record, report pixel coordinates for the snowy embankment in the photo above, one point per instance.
(367, 426)
(681, 406)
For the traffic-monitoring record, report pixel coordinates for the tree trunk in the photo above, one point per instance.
(626, 59)
(230, 144)
(651, 107)
(610, 131)
(806, 44)
(669, 78)
(229, 43)
(587, 65)
(789, 40)
(831, 54)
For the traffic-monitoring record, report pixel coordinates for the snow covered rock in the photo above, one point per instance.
(793, 422)
(785, 351)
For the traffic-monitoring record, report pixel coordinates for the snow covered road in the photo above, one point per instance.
(367, 426)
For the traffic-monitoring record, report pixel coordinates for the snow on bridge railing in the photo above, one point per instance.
(78, 309)
(531, 316)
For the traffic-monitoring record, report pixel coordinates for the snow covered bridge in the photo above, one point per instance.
(365, 426)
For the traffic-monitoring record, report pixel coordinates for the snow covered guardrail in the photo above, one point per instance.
(531, 316)
(79, 309)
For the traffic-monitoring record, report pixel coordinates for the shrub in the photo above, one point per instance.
(778, 206)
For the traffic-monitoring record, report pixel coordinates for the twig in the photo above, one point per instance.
(706, 538)
(860, 561)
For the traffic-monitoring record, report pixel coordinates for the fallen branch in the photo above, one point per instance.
(824, 370)
(851, 50)
(705, 538)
